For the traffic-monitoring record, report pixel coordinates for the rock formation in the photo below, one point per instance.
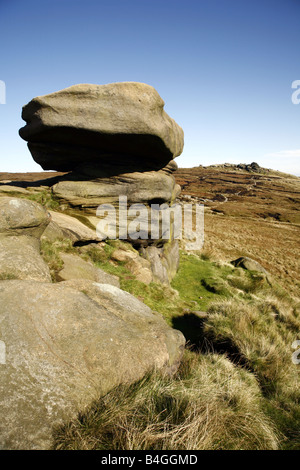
(69, 342)
(65, 343)
(95, 122)
(115, 140)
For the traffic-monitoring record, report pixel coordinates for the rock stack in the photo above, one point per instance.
(114, 140)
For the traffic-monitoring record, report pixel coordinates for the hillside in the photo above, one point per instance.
(252, 213)
(249, 213)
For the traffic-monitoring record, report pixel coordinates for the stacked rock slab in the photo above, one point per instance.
(114, 140)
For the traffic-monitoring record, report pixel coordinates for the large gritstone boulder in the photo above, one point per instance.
(116, 141)
(62, 349)
(94, 121)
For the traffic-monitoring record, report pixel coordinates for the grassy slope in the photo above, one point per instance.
(260, 217)
(237, 386)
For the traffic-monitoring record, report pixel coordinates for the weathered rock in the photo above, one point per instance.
(20, 259)
(139, 187)
(54, 232)
(164, 261)
(141, 269)
(124, 255)
(158, 268)
(118, 302)
(21, 224)
(70, 227)
(64, 350)
(6, 189)
(249, 264)
(76, 268)
(125, 119)
(170, 252)
(116, 141)
(22, 217)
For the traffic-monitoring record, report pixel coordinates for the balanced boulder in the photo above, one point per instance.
(124, 119)
(65, 348)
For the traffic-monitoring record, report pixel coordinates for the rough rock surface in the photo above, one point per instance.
(164, 261)
(125, 119)
(6, 189)
(20, 259)
(22, 217)
(115, 141)
(141, 269)
(139, 187)
(249, 263)
(63, 225)
(65, 349)
(76, 268)
(22, 222)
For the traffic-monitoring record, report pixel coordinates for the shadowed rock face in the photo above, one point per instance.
(95, 122)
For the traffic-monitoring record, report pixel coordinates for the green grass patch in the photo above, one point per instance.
(201, 281)
(50, 252)
(45, 198)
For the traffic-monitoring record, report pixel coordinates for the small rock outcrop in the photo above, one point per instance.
(76, 268)
(115, 140)
(64, 226)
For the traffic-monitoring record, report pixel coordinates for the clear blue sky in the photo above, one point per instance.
(223, 67)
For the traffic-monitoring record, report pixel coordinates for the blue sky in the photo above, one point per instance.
(223, 67)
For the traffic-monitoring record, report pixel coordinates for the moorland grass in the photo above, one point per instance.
(208, 404)
(237, 387)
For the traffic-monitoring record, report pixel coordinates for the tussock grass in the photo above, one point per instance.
(259, 335)
(45, 198)
(209, 404)
(7, 276)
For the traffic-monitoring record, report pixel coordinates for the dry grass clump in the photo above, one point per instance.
(209, 404)
(260, 333)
